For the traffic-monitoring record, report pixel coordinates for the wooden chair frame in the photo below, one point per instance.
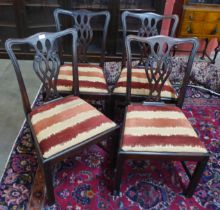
(154, 22)
(160, 53)
(82, 23)
(47, 53)
(150, 24)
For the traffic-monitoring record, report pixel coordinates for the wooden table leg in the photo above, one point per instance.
(205, 48)
(217, 49)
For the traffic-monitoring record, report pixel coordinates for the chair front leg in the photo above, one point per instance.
(48, 174)
(118, 174)
(195, 177)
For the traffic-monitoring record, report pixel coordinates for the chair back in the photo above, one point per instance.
(146, 25)
(82, 23)
(159, 64)
(46, 62)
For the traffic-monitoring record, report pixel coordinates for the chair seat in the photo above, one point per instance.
(91, 79)
(159, 129)
(139, 85)
(66, 122)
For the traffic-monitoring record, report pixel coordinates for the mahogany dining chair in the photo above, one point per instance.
(60, 126)
(152, 129)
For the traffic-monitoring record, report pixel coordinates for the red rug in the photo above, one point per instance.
(85, 182)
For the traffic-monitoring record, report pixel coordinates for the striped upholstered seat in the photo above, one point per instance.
(159, 129)
(65, 123)
(139, 84)
(91, 79)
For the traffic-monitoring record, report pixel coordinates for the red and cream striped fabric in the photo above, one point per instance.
(91, 79)
(65, 123)
(139, 85)
(159, 129)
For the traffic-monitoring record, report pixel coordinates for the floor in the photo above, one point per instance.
(11, 110)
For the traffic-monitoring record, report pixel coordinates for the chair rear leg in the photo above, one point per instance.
(118, 174)
(48, 174)
(196, 177)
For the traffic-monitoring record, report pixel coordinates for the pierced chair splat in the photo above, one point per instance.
(153, 130)
(147, 24)
(92, 81)
(60, 127)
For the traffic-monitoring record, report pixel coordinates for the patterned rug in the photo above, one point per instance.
(85, 181)
(203, 73)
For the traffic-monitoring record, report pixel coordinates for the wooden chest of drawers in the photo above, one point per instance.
(200, 21)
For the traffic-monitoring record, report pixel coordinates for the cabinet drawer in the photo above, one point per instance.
(210, 28)
(212, 16)
(191, 28)
(194, 15)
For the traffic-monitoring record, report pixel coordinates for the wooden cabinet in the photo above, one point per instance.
(7, 21)
(133, 6)
(38, 15)
(201, 18)
(202, 21)
(21, 18)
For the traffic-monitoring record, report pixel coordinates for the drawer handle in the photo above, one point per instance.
(215, 31)
(189, 30)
